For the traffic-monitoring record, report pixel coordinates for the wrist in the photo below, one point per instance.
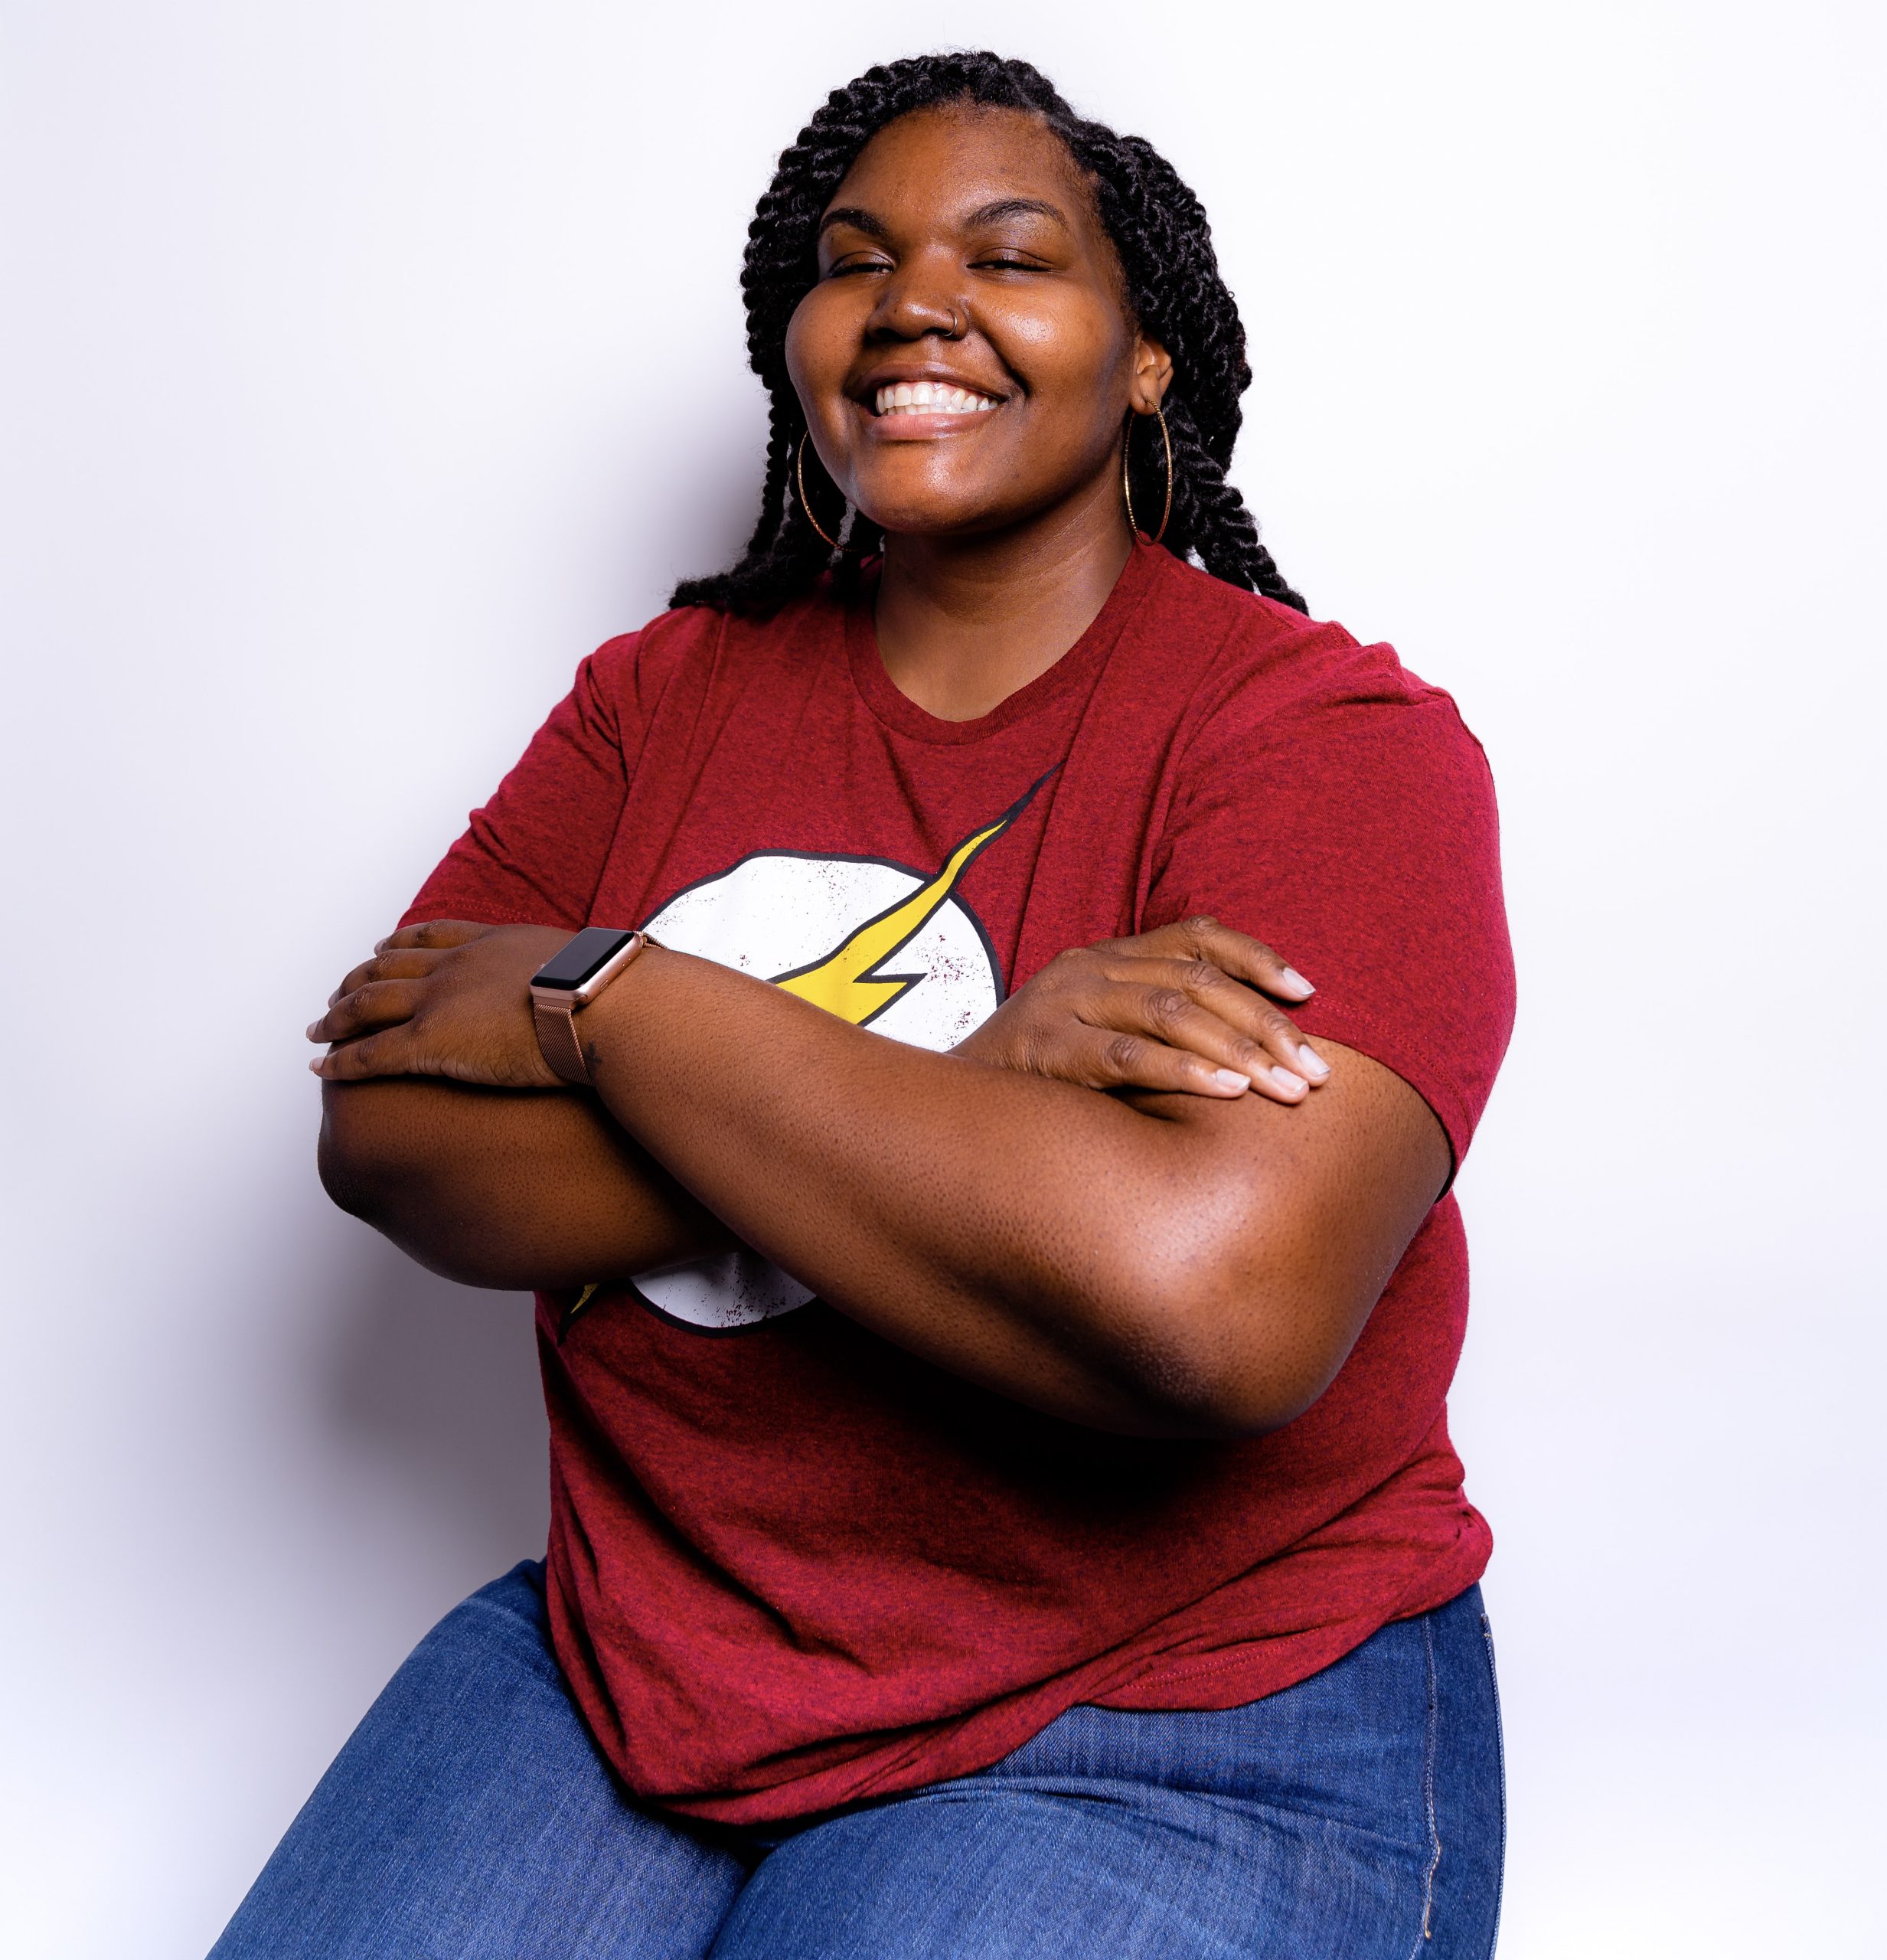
(978, 1046)
(569, 986)
(610, 1029)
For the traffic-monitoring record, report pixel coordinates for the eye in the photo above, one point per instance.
(853, 263)
(1009, 261)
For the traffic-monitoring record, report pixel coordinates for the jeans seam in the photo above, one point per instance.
(1427, 1931)
(1500, 1760)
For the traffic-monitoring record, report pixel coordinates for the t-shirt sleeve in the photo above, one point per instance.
(534, 853)
(1356, 831)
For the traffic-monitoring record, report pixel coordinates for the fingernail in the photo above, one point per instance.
(1291, 1084)
(311, 1026)
(1295, 980)
(314, 1067)
(1314, 1062)
(1230, 1078)
(380, 945)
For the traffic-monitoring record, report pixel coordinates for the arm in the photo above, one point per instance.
(521, 1190)
(494, 1189)
(1176, 1264)
(1169, 1265)
(545, 1189)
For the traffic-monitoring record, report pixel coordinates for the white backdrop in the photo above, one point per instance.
(366, 364)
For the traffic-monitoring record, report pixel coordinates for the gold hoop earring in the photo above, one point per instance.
(799, 478)
(1127, 489)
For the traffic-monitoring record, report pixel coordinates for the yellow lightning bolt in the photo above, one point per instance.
(841, 983)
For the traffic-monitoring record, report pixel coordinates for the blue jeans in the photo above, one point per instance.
(470, 1817)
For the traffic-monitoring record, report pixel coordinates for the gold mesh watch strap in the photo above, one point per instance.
(557, 1037)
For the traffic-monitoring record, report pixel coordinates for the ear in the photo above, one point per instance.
(1153, 372)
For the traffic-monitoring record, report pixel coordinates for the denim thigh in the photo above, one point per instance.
(470, 1817)
(1356, 1816)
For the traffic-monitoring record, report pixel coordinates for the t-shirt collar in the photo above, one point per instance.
(1077, 666)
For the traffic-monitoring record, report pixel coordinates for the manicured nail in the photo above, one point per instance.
(1230, 1078)
(311, 1026)
(1291, 1084)
(1314, 1062)
(314, 1067)
(1295, 980)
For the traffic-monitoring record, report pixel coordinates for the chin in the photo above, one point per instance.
(926, 520)
(931, 513)
(922, 494)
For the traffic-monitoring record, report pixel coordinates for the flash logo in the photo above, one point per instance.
(825, 928)
(843, 983)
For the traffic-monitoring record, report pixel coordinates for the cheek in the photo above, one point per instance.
(820, 339)
(798, 348)
(1075, 358)
(1075, 347)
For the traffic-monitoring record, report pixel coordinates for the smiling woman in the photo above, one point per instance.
(1058, 1550)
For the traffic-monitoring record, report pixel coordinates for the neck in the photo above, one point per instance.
(964, 621)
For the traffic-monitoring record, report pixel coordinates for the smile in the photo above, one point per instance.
(929, 398)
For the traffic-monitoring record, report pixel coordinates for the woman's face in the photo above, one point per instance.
(966, 360)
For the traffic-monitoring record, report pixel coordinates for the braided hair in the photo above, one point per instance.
(1159, 230)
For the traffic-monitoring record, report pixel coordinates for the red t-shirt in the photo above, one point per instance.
(791, 1566)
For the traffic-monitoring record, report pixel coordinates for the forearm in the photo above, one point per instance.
(1036, 1237)
(1169, 1263)
(497, 1188)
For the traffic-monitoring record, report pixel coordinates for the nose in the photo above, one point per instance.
(913, 303)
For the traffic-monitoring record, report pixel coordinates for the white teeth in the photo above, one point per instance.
(930, 398)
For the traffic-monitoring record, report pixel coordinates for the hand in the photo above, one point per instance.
(1180, 1008)
(449, 998)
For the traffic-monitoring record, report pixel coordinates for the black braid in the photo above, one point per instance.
(1160, 231)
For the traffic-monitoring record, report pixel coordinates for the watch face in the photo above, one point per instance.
(587, 954)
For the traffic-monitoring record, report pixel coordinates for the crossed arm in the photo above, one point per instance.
(1177, 1257)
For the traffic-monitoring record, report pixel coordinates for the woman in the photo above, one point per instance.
(1002, 1497)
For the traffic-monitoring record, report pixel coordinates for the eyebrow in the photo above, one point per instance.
(861, 219)
(1018, 208)
(858, 219)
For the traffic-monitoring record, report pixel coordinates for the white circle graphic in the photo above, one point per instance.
(777, 913)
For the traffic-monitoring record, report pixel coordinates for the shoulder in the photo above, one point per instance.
(640, 666)
(629, 661)
(1264, 676)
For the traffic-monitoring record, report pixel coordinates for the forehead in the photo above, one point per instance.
(937, 165)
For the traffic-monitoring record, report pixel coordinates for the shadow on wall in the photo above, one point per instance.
(437, 1384)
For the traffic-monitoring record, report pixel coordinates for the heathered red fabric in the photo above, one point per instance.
(790, 1566)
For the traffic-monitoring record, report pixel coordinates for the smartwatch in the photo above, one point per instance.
(571, 978)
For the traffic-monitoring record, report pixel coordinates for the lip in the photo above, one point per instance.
(912, 427)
